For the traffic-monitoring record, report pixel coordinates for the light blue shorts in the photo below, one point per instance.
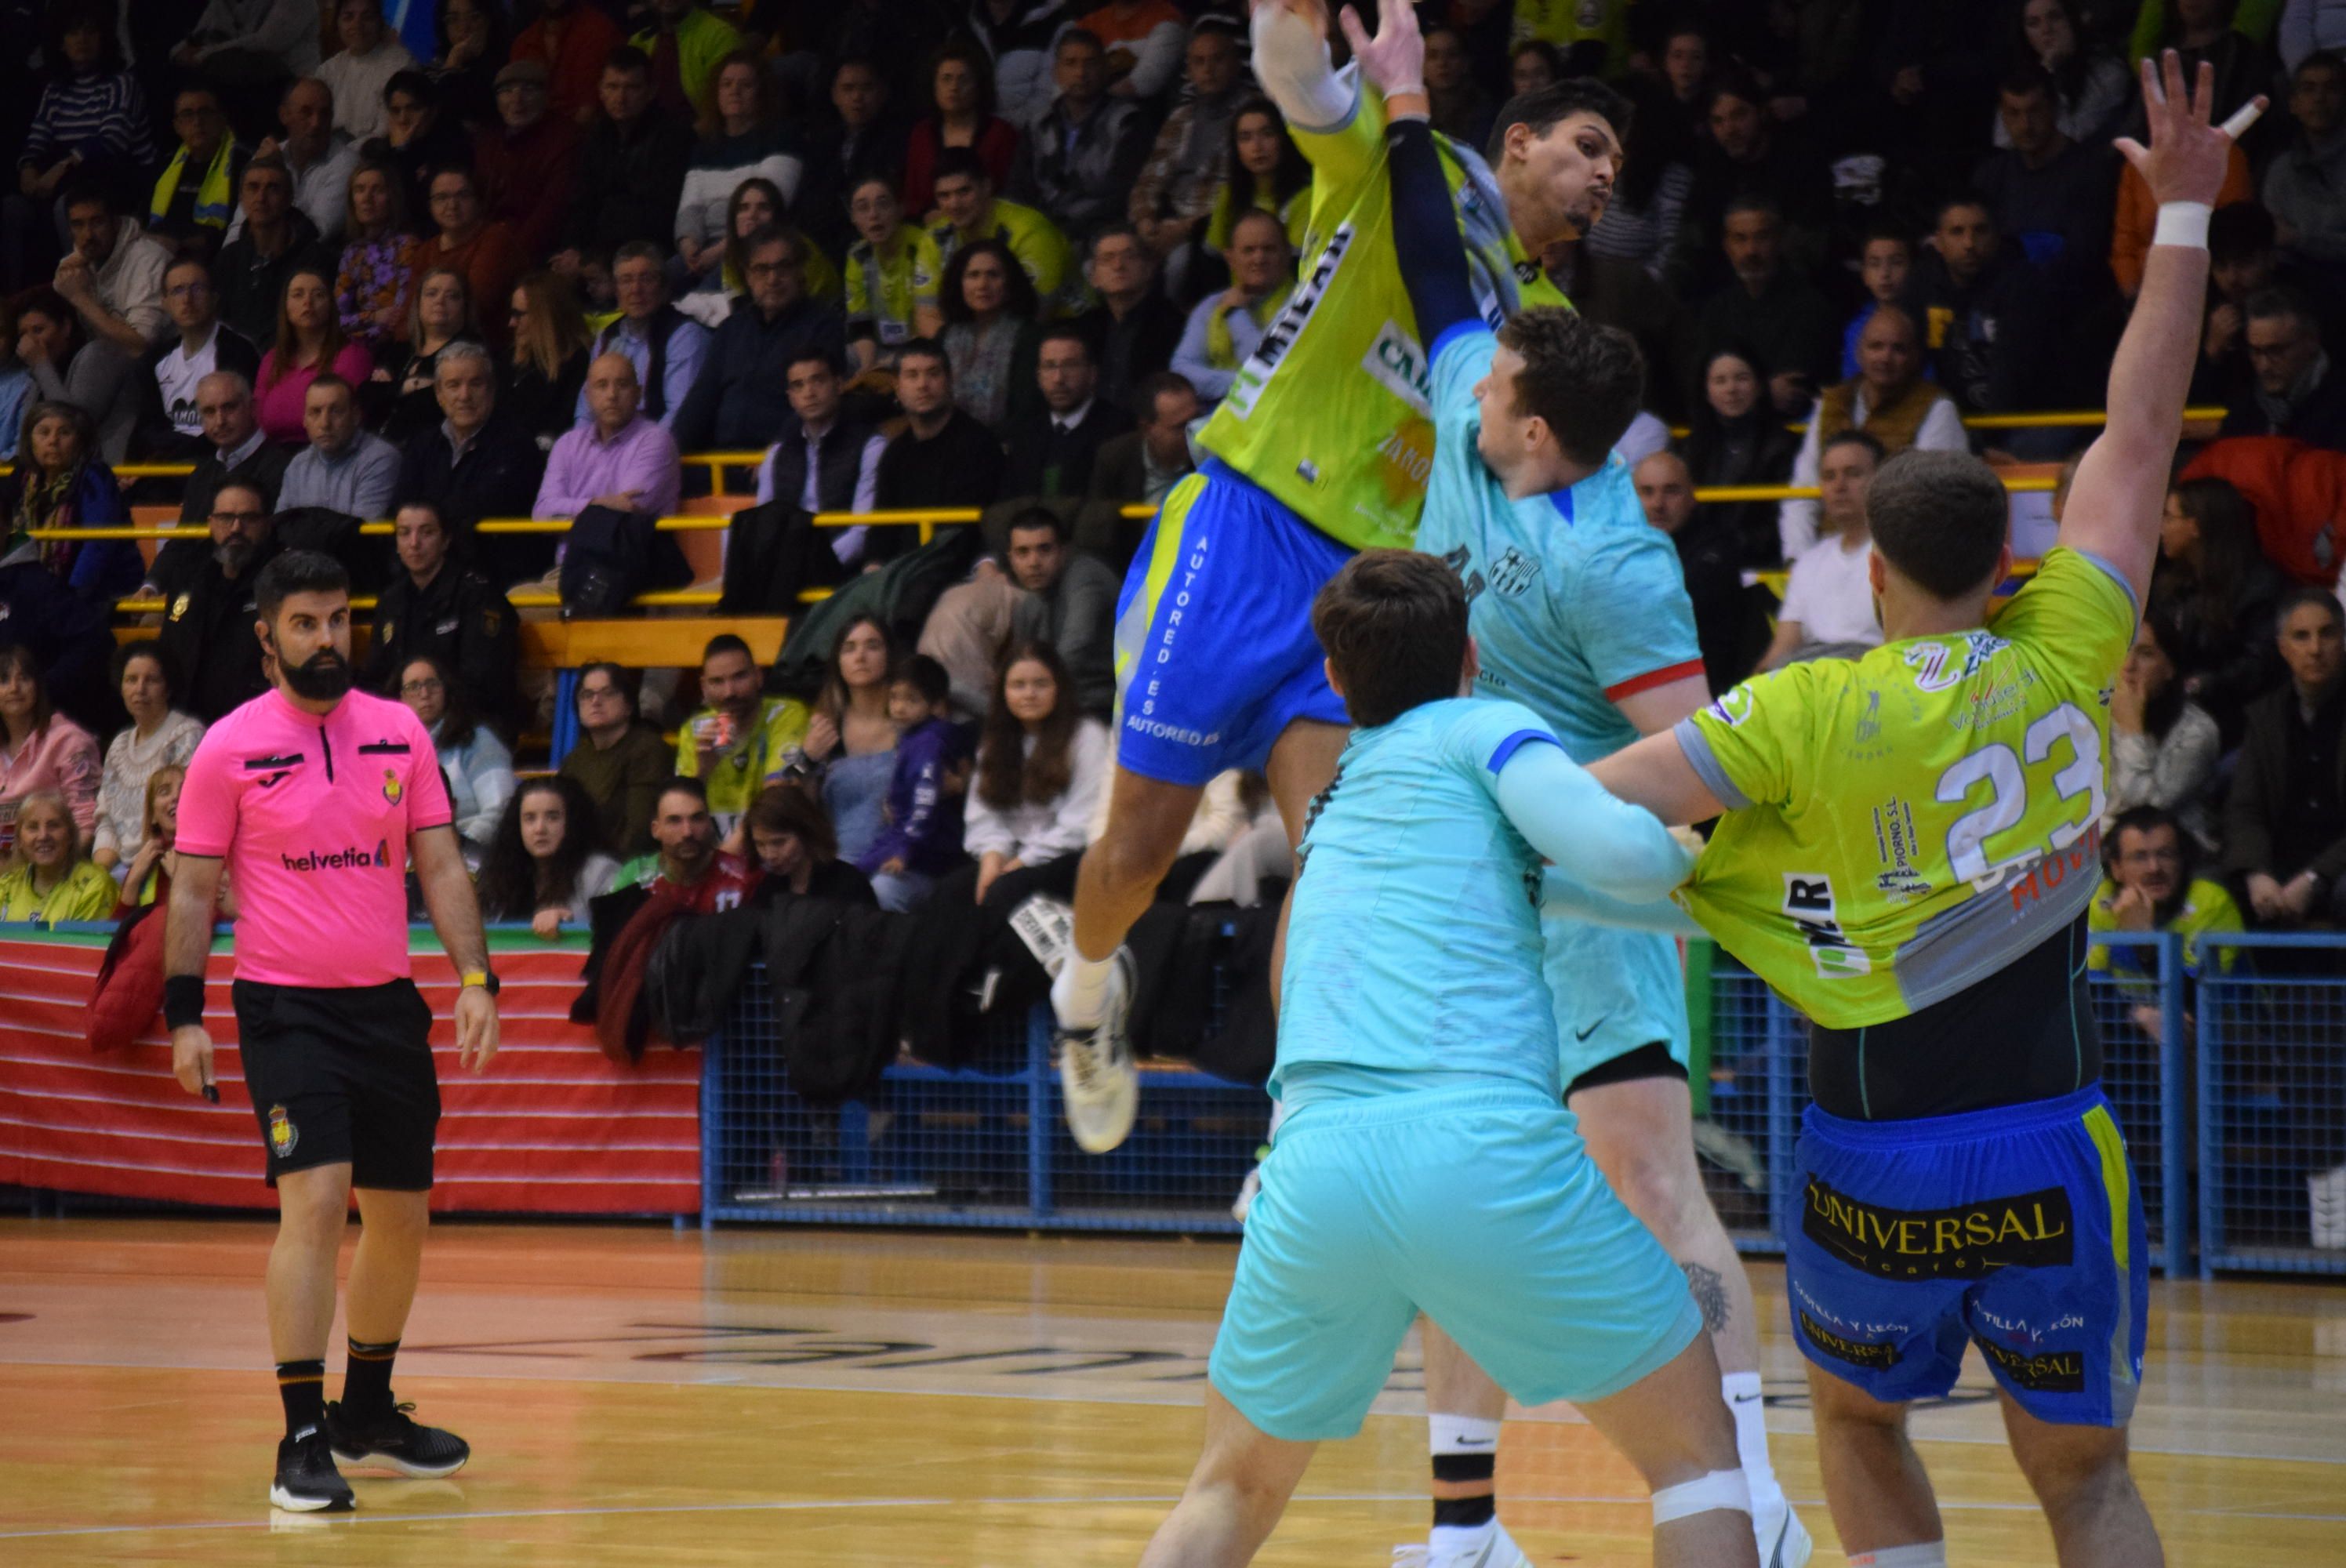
(1478, 1206)
(1615, 991)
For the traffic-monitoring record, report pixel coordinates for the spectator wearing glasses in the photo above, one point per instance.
(474, 761)
(893, 270)
(418, 140)
(1135, 328)
(172, 427)
(209, 615)
(195, 193)
(483, 251)
(2152, 885)
(1050, 452)
(619, 761)
(742, 397)
(2294, 390)
(666, 346)
(234, 451)
(278, 240)
(551, 347)
(437, 607)
(527, 159)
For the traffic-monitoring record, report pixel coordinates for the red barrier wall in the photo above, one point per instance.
(551, 1127)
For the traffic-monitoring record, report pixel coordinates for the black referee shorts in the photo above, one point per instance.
(341, 1076)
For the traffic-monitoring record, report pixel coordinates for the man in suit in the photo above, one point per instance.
(1145, 462)
(1051, 453)
(237, 452)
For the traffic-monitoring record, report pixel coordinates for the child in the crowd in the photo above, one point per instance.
(922, 840)
(1882, 263)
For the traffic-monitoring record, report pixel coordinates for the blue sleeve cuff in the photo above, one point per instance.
(1514, 743)
(1451, 334)
(1696, 746)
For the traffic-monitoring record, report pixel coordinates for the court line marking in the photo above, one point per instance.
(816, 1505)
(1173, 1400)
(811, 1505)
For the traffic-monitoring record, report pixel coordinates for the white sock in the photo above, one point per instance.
(1079, 994)
(1461, 1434)
(1921, 1554)
(1459, 1540)
(1741, 1390)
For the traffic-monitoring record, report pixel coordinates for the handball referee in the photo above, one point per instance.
(311, 798)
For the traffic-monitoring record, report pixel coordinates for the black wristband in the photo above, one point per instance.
(183, 1000)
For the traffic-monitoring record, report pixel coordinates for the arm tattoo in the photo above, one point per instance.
(1709, 1294)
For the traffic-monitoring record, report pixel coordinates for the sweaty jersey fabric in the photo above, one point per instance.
(1901, 826)
(1576, 602)
(312, 816)
(1414, 949)
(1332, 413)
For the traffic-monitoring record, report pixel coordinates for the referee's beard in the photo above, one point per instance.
(323, 676)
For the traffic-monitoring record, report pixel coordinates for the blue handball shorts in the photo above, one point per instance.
(2017, 1229)
(1214, 650)
(1478, 1206)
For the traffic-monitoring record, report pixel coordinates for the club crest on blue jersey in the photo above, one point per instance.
(1513, 572)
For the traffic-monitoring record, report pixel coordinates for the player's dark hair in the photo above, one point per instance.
(1941, 518)
(1854, 438)
(1949, 202)
(2239, 231)
(927, 349)
(1543, 109)
(1067, 332)
(925, 676)
(2026, 77)
(955, 162)
(726, 643)
(1586, 381)
(2277, 301)
(296, 571)
(810, 354)
(1394, 623)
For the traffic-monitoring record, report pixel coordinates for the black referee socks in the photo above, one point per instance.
(303, 1385)
(366, 1381)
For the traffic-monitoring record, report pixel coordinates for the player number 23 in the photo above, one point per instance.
(2008, 783)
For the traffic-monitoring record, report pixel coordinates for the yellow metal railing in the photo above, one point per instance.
(2049, 419)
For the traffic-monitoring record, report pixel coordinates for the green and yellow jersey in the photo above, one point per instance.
(890, 287)
(1901, 826)
(1333, 414)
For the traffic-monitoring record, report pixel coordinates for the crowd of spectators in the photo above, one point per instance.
(1004, 255)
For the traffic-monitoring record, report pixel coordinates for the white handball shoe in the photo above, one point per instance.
(1096, 1075)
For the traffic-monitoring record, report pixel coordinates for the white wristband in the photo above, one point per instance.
(2182, 223)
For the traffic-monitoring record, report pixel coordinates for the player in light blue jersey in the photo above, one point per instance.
(1426, 1163)
(1579, 610)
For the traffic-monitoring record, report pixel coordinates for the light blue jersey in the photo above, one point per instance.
(1414, 945)
(1576, 602)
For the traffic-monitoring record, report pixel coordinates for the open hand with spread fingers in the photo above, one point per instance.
(2188, 155)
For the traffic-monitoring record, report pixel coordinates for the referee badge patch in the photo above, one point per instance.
(282, 1133)
(390, 786)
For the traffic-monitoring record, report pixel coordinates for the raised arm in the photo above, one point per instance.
(2114, 503)
(1426, 240)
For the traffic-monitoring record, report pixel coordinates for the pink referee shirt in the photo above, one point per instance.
(312, 816)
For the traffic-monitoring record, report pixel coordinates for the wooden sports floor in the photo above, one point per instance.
(636, 1396)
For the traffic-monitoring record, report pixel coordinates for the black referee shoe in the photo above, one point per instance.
(395, 1441)
(307, 1481)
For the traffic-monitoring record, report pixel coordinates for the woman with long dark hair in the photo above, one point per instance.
(310, 342)
(961, 114)
(41, 748)
(2164, 747)
(756, 205)
(59, 481)
(742, 136)
(1738, 439)
(2215, 592)
(2091, 87)
(1262, 167)
(544, 864)
(1041, 765)
(990, 307)
(851, 742)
